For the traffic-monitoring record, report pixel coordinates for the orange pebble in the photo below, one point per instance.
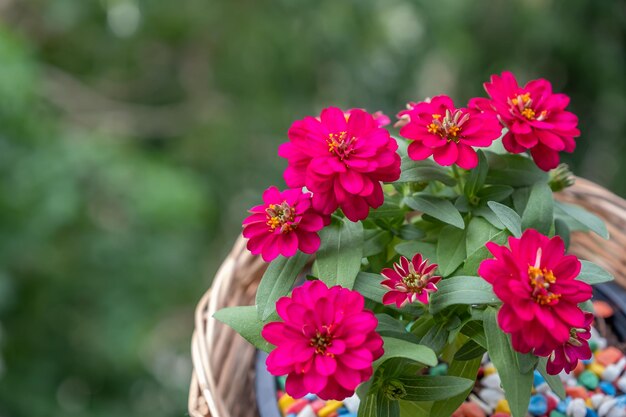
(576, 392)
(602, 309)
(609, 356)
(469, 409)
(317, 405)
(297, 406)
(580, 367)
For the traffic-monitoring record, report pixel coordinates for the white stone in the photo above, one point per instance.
(596, 400)
(352, 403)
(473, 398)
(543, 388)
(576, 408)
(307, 411)
(621, 383)
(611, 373)
(491, 396)
(617, 412)
(491, 381)
(606, 406)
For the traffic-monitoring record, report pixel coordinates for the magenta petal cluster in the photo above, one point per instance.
(566, 357)
(535, 116)
(326, 343)
(409, 281)
(448, 134)
(284, 223)
(341, 157)
(536, 282)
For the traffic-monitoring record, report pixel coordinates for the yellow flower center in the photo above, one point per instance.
(448, 126)
(522, 103)
(322, 341)
(541, 281)
(340, 144)
(280, 216)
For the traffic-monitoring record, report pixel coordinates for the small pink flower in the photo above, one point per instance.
(537, 284)
(536, 118)
(410, 281)
(566, 357)
(284, 223)
(448, 134)
(341, 160)
(326, 343)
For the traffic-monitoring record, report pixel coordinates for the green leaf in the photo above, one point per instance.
(461, 290)
(470, 350)
(338, 259)
(424, 171)
(554, 382)
(414, 409)
(562, 229)
(408, 249)
(509, 218)
(474, 259)
(463, 369)
(368, 285)
(495, 193)
(436, 207)
(539, 212)
(277, 281)
(387, 210)
(376, 241)
(593, 274)
(486, 213)
(589, 220)
(436, 336)
(474, 330)
(397, 348)
(388, 326)
(451, 250)
(477, 176)
(517, 385)
(479, 232)
(410, 232)
(526, 362)
(433, 388)
(513, 170)
(243, 319)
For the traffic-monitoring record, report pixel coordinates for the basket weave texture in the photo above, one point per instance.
(222, 384)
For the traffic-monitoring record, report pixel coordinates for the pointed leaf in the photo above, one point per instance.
(554, 382)
(509, 218)
(397, 348)
(451, 251)
(589, 220)
(539, 212)
(338, 259)
(593, 274)
(433, 388)
(462, 290)
(243, 319)
(517, 385)
(436, 207)
(464, 369)
(277, 281)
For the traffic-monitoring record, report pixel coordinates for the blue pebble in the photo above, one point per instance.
(311, 397)
(591, 413)
(538, 379)
(587, 361)
(292, 415)
(607, 388)
(621, 401)
(538, 405)
(342, 411)
(562, 405)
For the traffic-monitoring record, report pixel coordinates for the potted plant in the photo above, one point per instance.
(440, 244)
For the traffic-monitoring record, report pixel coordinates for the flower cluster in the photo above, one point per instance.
(536, 282)
(326, 342)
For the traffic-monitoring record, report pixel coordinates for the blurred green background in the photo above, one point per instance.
(135, 133)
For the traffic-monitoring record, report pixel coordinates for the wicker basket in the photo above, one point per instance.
(222, 384)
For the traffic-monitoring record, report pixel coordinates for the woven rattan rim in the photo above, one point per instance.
(222, 384)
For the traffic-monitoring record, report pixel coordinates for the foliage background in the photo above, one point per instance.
(135, 133)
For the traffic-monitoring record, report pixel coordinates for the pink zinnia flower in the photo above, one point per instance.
(536, 118)
(342, 160)
(284, 223)
(566, 356)
(536, 282)
(448, 134)
(409, 281)
(326, 343)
